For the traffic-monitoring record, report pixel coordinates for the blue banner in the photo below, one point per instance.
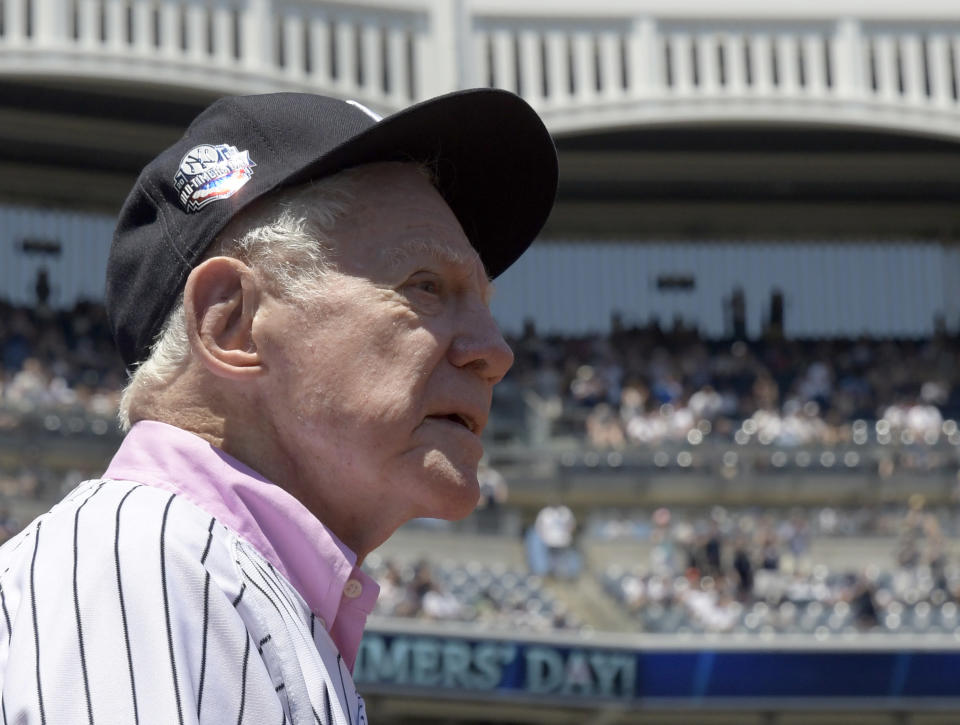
(461, 665)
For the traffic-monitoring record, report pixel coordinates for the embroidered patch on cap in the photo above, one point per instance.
(208, 173)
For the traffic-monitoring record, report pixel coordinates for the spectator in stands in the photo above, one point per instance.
(603, 428)
(588, 389)
(396, 598)
(769, 547)
(743, 567)
(712, 606)
(663, 551)
(542, 411)
(550, 543)
(436, 602)
(713, 551)
(795, 532)
(493, 495)
(42, 288)
(863, 605)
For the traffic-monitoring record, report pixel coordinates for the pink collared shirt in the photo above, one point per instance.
(321, 568)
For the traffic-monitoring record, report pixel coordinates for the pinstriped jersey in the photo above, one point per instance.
(126, 603)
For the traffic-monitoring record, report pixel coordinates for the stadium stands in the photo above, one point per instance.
(489, 595)
(640, 386)
(641, 402)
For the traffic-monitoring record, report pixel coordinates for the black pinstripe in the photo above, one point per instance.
(123, 609)
(206, 617)
(203, 651)
(206, 549)
(277, 577)
(166, 606)
(15, 548)
(277, 590)
(326, 706)
(76, 605)
(6, 614)
(257, 586)
(287, 605)
(243, 681)
(243, 588)
(274, 586)
(343, 689)
(36, 631)
(313, 619)
(260, 589)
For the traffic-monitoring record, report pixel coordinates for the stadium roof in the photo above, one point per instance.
(77, 145)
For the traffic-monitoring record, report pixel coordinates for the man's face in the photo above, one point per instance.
(380, 385)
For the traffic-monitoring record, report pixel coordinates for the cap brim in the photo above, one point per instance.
(495, 164)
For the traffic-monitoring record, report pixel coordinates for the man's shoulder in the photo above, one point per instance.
(101, 502)
(103, 524)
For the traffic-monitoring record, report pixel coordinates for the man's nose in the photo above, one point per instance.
(480, 346)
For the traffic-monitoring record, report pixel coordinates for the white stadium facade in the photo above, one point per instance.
(808, 150)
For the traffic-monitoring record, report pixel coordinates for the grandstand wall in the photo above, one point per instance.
(72, 246)
(831, 288)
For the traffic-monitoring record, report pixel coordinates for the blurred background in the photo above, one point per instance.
(721, 482)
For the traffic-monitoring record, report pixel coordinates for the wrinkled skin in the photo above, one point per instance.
(376, 389)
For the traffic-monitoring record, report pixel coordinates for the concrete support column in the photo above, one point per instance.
(644, 59)
(848, 60)
(257, 37)
(49, 22)
(438, 48)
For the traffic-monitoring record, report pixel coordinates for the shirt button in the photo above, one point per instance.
(352, 589)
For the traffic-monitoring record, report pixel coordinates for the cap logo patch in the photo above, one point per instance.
(208, 173)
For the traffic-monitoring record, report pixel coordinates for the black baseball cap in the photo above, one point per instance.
(495, 164)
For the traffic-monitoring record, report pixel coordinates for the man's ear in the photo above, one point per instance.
(219, 302)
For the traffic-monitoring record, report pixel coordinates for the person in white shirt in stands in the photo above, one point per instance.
(301, 293)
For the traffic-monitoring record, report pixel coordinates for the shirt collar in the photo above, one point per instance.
(321, 567)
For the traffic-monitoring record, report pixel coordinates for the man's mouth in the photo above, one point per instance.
(458, 418)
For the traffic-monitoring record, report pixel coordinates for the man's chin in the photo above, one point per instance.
(452, 489)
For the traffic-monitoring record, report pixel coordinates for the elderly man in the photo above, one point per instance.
(301, 292)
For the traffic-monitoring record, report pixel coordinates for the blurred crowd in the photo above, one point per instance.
(491, 596)
(634, 386)
(715, 570)
(25, 490)
(742, 572)
(792, 528)
(646, 386)
(57, 360)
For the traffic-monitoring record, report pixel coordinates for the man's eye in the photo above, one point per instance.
(429, 286)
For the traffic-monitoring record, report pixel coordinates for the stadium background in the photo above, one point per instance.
(737, 337)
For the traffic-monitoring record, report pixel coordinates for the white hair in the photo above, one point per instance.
(283, 237)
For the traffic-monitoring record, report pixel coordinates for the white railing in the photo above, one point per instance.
(609, 70)
(606, 63)
(385, 55)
